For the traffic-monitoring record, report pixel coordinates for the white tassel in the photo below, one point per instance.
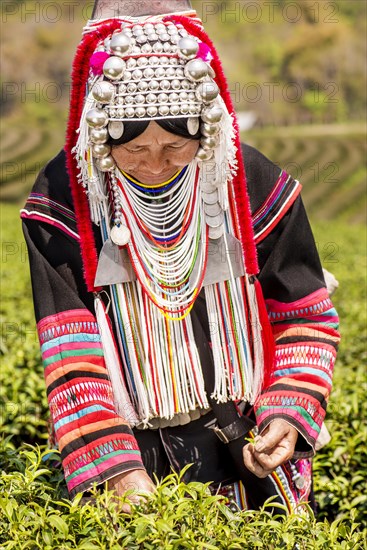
(122, 400)
(258, 348)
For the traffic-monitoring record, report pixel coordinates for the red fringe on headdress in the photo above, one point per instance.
(240, 202)
(80, 75)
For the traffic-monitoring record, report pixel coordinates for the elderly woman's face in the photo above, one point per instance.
(156, 155)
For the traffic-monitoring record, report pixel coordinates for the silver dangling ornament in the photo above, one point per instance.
(208, 143)
(120, 235)
(212, 115)
(101, 150)
(208, 130)
(204, 155)
(207, 91)
(106, 164)
(97, 118)
(98, 135)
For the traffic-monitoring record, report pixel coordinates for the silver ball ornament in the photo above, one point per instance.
(209, 129)
(164, 110)
(129, 112)
(175, 110)
(103, 91)
(187, 48)
(98, 135)
(207, 91)
(96, 118)
(120, 44)
(204, 155)
(196, 70)
(152, 111)
(208, 143)
(114, 68)
(212, 115)
(106, 164)
(140, 112)
(101, 150)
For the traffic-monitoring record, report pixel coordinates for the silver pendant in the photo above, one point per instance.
(216, 232)
(120, 235)
(210, 198)
(215, 221)
(114, 266)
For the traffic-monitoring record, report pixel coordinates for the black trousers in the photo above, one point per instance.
(194, 443)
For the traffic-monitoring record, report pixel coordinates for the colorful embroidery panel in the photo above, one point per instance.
(306, 342)
(95, 443)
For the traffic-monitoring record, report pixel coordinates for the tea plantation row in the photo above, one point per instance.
(34, 509)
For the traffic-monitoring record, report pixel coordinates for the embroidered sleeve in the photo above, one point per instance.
(41, 208)
(95, 442)
(277, 204)
(305, 327)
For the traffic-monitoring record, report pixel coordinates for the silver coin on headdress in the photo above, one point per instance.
(212, 209)
(116, 129)
(193, 125)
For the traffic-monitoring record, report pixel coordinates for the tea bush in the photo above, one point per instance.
(34, 509)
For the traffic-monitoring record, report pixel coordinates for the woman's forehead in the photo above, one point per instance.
(154, 134)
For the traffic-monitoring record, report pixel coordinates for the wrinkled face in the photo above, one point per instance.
(155, 156)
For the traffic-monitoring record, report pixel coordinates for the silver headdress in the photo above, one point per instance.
(150, 71)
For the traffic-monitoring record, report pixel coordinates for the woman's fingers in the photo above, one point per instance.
(272, 448)
(137, 481)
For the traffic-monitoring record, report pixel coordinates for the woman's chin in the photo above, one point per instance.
(153, 180)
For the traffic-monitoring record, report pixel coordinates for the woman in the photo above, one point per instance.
(149, 279)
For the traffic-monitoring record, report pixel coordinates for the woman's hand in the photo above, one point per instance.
(136, 480)
(270, 449)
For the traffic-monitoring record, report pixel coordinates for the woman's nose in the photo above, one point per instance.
(156, 162)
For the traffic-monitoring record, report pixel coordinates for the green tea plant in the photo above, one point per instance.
(34, 514)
